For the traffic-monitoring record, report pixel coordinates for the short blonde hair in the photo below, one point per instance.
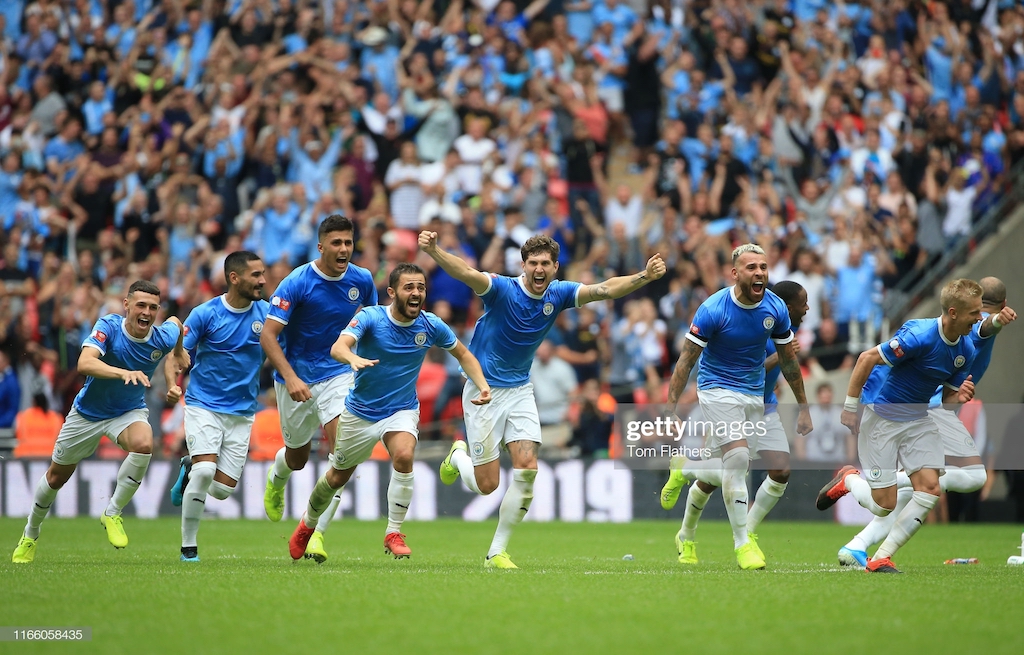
(744, 249)
(958, 293)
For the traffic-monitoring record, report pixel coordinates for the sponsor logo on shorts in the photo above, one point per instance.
(959, 361)
(156, 355)
(257, 327)
(421, 338)
(99, 336)
(353, 294)
(478, 449)
(768, 323)
(897, 350)
(548, 309)
(875, 473)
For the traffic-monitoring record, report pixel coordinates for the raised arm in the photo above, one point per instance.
(993, 323)
(474, 372)
(454, 266)
(618, 287)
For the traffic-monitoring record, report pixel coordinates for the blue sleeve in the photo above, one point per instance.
(443, 335)
(100, 334)
(360, 323)
(165, 336)
(782, 332)
(283, 303)
(900, 348)
(569, 294)
(496, 289)
(195, 328)
(704, 326)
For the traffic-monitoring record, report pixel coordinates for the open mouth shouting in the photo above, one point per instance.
(144, 322)
(538, 280)
(757, 288)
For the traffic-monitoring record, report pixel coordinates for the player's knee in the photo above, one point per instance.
(140, 446)
(928, 486)
(202, 473)
(296, 459)
(487, 483)
(220, 491)
(57, 479)
(780, 475)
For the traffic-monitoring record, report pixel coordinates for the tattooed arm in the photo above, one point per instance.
(791, 369)
(618, 287)
(687, 360)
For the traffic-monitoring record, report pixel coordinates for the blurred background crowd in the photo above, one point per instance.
(855, 141)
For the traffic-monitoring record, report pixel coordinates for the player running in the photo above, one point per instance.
(118, 358)
(965, 471)
(518, 313)
(382, 405)
(309, 310)
(896, 428)
(772, 447)
(220, 403)
(730, 329)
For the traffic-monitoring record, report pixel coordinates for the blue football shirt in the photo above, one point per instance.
(100, 400)
(515, 321)
(226, 356)
(733, 336)
(315, 308)
(921, 359)
(390, 385)
(982, 357)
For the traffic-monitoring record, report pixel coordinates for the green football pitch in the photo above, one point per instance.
(573, 593)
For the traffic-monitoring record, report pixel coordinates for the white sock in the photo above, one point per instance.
(399, 497)
(280, 471)
(318, 501)
(880, 526)
(129, 477)
(963, 480)
(696, 499)
(734, 491)
(220, 491)
(907, 523)
(194, 500)
(44, 497)
(767, 495)
(328, 515)
(462, 461)
(903, 480)
(861, 490)
(513, 508)
(708, 471)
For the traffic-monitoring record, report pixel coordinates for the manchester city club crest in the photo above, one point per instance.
(548, 309)
(156, 355)
(478, 449)
(875, 473)
(257, 327)
(421, 339)
(959, 361)
(768, 323)
(353, 294)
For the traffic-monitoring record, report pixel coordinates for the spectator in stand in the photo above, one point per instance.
(830, 353)
(10, 392)
(554, 385)
(830, 441)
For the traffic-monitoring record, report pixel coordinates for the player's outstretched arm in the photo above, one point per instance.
(90, 364)
(342, 351)
(684, 365)
(867, 360)
(297, 388)
(452, 265)
(474, 372)
(790, 366)
(993, 323)
(618, 287)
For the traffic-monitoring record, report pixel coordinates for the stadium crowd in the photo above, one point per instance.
(855, 141)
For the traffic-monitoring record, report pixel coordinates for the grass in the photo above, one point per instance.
(573, 593)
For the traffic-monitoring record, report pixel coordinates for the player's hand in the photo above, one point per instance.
(428, 242)
(483, 398)
(298, 390)
(849, 419)
(796, 347)
(656, 267)
(966, 392)
(358, 363)
(803, 421)
(1007, 315)
(173, 395)
(135, 377)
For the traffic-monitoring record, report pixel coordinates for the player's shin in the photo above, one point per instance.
(696, 500)
(399, 498)
(768, 494)
(194, 500)
(513, 508)
(907, 523)
(325, 519)
(880, 526)
(41, 503)
(734, 491)
(861, 490)
(319, 500)
(467, 471)
(963, 480)
(279, 471)
(129, 477)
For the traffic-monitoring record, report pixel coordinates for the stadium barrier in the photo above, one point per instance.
(570, 490)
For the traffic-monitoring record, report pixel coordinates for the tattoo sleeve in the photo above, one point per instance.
(791, 369)
(684, 366)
